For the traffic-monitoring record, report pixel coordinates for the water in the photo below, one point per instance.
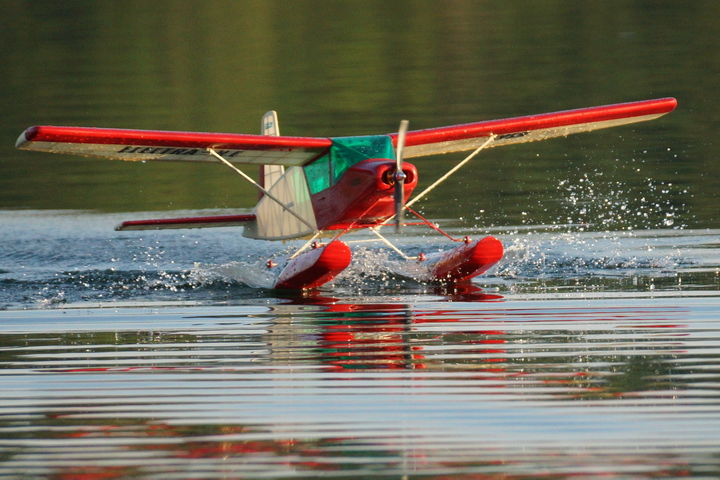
(161, 354)
(589, 351)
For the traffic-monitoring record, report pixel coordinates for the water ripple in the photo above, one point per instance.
(381, 390)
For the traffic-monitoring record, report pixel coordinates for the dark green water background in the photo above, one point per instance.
(335, 68)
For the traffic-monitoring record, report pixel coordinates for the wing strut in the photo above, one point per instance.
(445, 177)
(263, 190)
(389, 244)
(451, 171)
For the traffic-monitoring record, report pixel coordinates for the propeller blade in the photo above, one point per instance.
(400, 178)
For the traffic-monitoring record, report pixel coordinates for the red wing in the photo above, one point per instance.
(143, 145)
(469, 136)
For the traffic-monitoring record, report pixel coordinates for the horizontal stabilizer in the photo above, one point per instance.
(531, 128)
(188, 222)
(152, 145)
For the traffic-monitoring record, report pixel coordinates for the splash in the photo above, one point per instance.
(596, 201)
(253, 274)
(593, 261)
(372, 267)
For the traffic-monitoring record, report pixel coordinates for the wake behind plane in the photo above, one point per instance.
(323, 188)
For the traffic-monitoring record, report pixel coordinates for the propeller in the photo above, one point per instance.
(400, 178)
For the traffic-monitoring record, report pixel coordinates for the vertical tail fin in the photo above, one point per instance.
(270, 124)
(269, 174)
(274, 221)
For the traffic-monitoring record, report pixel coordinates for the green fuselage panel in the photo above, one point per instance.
(344, 153)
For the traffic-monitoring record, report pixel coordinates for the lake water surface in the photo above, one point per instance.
(161, 355)
(591, 351)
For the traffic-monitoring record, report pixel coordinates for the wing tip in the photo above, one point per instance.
(673, 102)
(26, 137)
(665, 105)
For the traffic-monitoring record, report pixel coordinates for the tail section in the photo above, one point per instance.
(274, 222)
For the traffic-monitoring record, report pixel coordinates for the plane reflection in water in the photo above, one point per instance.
(378, 336)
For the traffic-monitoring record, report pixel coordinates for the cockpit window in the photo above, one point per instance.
(344, 153)
(318, 174)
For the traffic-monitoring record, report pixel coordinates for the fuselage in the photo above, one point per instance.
(349, 185)
(363, 196)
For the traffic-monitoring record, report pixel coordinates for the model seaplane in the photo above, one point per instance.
(322, 188)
